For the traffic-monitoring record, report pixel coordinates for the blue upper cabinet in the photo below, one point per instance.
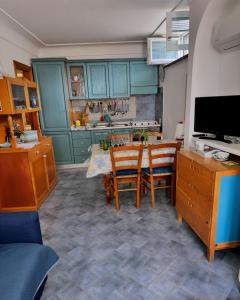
(51, 79)
(77, 80)
(119, 79)
(97, 74)
(143, 78)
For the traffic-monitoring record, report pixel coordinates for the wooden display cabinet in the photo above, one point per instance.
(16, 96)
(19, 97)
(27, 171)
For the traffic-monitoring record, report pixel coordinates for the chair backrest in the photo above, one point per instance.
(126, 157)
(152, 136)
(163, 155)
(120, 138)
(156, 134)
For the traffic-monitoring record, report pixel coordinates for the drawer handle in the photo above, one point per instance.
(196, 169)
(45, 155)
(190, 186)
(48, 145)
(37, 152)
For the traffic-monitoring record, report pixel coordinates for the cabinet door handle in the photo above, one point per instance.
(45, 155)
(37, 152)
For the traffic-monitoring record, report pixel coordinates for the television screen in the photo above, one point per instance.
(218, 115)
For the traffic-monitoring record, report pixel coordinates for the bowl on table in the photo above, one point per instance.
(221, 156)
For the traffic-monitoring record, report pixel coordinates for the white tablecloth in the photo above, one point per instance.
(100, 161)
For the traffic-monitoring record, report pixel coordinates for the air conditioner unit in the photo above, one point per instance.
(226, 32)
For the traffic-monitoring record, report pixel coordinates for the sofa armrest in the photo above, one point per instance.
(20, 227)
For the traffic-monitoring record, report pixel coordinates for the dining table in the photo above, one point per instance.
(100, 163)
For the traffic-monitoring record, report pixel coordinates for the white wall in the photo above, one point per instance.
(96, 51)
(174, 97)
(213, 73)
(14, 45)
(197, 9)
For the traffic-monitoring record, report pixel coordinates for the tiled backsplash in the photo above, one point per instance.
(125, 109)
(139, 108)
(145, 107)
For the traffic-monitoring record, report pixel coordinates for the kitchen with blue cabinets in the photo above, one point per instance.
(69, 88)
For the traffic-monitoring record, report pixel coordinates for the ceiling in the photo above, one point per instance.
(54, 22)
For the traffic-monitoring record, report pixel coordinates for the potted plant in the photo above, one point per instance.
(142, 135)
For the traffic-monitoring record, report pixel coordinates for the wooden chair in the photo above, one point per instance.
(157, 134)
(126, 168)
(117, 137)
(153, 136)
(162, 168)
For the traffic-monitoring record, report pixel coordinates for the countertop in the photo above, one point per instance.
(73, 128)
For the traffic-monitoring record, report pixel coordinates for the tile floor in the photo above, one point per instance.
(131, 254)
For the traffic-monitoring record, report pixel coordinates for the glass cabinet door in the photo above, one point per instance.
(77, 78)
(33, 97)
(19, 100)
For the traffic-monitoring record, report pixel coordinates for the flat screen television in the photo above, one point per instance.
(218, 115)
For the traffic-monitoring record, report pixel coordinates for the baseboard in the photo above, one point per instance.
(72, 166)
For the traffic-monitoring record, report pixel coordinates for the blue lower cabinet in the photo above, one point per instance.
(84, 134)
(97, 136)
(82, 141)
(85, 150)
(62, 145)
(80, 159)
(83, 144)
(121, 130)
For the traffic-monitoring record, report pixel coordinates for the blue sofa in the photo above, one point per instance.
(24, 260)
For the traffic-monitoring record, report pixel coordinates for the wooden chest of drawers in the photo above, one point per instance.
(27, 176)
(208, 199)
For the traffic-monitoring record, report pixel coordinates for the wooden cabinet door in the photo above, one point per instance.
(16, 190)
(39, 177)
(50, 166)
(97, 74)
(51, 79)
(119, 79)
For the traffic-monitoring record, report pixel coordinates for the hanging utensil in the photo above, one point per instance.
(123, 108)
